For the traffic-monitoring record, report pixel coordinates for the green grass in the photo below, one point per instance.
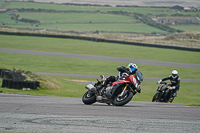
(138, 28)
(84, 66)
(71, 21)
(151, 11)
(81, 8)
(2, 3)
(189, 28)
(97, 48)
(76, 17)
(188, 93)
(6, 18)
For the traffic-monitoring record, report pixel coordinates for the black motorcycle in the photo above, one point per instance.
(164, 93)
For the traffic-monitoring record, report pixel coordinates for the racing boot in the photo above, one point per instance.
(172, 98)
(99, 87)
(108, 95)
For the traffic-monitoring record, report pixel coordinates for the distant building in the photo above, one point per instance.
(187, 9)
(178, 20)
(176, 8)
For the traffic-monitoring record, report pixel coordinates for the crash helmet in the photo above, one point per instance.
(132, 67)
(174, 73)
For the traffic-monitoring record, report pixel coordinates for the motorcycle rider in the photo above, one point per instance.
(175, 83)
(131, 69)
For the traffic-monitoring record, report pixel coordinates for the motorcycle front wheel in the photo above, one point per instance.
(156, 97)
(120, 101)
(89, 98)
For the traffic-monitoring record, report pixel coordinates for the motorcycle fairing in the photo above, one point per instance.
(133, 80)
(120, 82)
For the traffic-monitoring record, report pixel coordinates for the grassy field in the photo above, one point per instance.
(189, 28)
(81, 8)
(188, 93)
(80, 22)
(60, 21)
(152, 11)
(76, 17)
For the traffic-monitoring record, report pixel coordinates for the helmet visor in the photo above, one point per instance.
(174, 75)
(132, 68)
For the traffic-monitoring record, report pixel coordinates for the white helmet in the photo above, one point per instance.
(174, 73)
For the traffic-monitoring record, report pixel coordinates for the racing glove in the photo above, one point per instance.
(172, 88)
(159, 81)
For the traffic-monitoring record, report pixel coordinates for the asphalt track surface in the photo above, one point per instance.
(28, 113)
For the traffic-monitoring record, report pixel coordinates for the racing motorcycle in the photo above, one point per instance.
(164, 93)
(117, 93)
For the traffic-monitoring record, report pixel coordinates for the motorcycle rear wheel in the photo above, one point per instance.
(88, 99)
(122, 101)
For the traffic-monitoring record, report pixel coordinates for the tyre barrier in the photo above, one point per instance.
(13, 84)
(15, 80)
(12, 74)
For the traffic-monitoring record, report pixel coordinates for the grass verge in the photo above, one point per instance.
(188, 93)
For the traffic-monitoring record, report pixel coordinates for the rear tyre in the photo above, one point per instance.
(89, 98)
(156, 97)
(124, 100)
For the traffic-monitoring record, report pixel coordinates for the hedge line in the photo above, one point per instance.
(101, 40)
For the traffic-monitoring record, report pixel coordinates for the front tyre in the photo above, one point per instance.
(120, 101)
(89, 98)
(156, 97)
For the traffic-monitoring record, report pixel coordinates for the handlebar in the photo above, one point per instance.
(162, 82)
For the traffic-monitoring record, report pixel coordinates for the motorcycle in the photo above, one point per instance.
(164, 93)
(117, 93)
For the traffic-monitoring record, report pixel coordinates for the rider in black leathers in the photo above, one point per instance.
(175, 83)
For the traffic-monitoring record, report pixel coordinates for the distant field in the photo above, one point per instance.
(189, 28)
(100, 18)
(131, 2)
(142, 10)
(80, 8)
(2, 3)
(76, 17)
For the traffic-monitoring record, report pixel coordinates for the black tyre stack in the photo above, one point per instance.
(15, 80)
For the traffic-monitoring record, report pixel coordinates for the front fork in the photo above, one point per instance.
(125, 91)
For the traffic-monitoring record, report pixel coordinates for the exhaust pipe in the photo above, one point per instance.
(91, 88)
